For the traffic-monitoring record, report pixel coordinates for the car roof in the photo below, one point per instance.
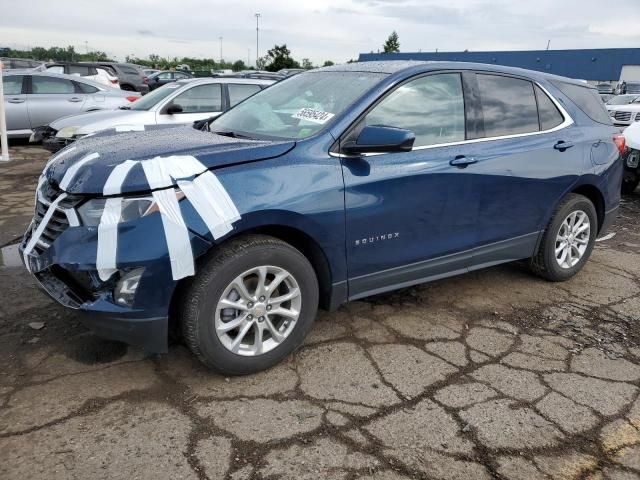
(249, 81)
(392, 67)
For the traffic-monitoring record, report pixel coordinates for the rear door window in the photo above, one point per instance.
(238, 92)
(508, 105)
(86, 88)
(78, 70)
(432, 107)
(587, 100)
(550, 116)
(49, 85)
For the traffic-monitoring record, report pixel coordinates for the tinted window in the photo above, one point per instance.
(51, 85)
(203, 98)
(550, 116)
(431, 107)
(86, 88)
(508, 105)
(78, 70)
(129, 70)
(238, 92)
(12, 84)
(587, 100)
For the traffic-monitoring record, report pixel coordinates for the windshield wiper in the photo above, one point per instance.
(229, 133)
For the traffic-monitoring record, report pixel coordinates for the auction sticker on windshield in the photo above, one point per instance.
(312, 115)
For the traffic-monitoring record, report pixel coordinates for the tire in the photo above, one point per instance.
(127, 88)
(629, 186)
(202, 314)
(545, 263)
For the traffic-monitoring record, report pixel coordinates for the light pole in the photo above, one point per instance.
(220, 51)
(248, 57)
(4, 144)
(257, 38)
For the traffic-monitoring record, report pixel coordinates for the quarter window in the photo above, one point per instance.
(587, 100)
(508, 105)
(203, 98)
(432, 107)
(238, 92)
(42, 85)
(550, 116)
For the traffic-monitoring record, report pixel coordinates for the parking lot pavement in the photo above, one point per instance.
(492, 374)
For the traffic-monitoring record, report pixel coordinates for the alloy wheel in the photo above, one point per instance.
(572, 239)
(258, 310)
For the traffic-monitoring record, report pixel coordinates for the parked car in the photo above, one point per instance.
(161, 78)
(331, 185)
(20, 64)
(182, 102)
(605, 97)
(95, 72)
(631, 159)
(287, 72)
(33, 99)
(131, 76)
(624, 109)
(627, 87)
(149, 71)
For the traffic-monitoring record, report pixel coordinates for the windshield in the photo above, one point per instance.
(623, 99)
(151, 99)
(297, 107)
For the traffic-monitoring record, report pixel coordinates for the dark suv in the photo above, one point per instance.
(329, 186)
(131, 77)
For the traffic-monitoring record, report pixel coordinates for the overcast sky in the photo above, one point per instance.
(320, 30)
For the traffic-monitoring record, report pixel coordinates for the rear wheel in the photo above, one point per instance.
(568, 240)
(250, 306)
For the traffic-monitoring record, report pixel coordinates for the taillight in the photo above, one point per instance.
(115, 82)
(132, 98)
(618, 139)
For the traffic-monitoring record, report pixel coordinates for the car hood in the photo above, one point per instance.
(84, 166)
(91, 122)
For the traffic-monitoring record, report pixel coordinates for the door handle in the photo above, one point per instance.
(462, 162)
(562, 145)
(75, 99)
(16, 100)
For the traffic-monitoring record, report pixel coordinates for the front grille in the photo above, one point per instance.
(58, 222)
(622, 116)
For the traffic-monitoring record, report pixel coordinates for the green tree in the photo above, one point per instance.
(392, 45)
(238, 65)
(306, 64)
(279, 57)
(328, 63)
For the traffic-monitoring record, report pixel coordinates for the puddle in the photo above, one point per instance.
(10, 257)
(92, 350)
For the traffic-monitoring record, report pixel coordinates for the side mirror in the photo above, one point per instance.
(381, 139)
(173, 109)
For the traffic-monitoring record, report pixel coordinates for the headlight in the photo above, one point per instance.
(132, 208)
(67, 132)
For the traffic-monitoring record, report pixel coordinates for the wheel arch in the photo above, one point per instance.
(594, 194)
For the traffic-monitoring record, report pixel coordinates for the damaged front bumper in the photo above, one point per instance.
(47, 136)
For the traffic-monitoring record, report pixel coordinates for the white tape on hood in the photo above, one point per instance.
(73, 169)
(38, 233)
(107, 249)
(58, 156)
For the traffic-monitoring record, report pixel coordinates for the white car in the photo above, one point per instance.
(624, 109)
(90, 72)
(178, 103)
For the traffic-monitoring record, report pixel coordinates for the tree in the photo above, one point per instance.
(238, 65)
(328, 63)
(306, 64)
(279, 57)
(392, 45)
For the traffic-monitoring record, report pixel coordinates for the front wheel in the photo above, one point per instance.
(251, 304)
(568, 240)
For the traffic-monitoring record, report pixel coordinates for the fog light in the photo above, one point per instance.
(633, 159)
(125, 290)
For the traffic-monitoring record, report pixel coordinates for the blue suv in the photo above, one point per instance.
(329, 186)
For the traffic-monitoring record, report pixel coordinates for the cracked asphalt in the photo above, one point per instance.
(496, 374)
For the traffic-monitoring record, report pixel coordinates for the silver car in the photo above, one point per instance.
(178, 103)
(33, 99)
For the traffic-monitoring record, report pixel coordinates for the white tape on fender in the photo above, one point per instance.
(176, 233)
(38, 233)
(210, 213)
(107, 249)
(73, 169)
(108, 238)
